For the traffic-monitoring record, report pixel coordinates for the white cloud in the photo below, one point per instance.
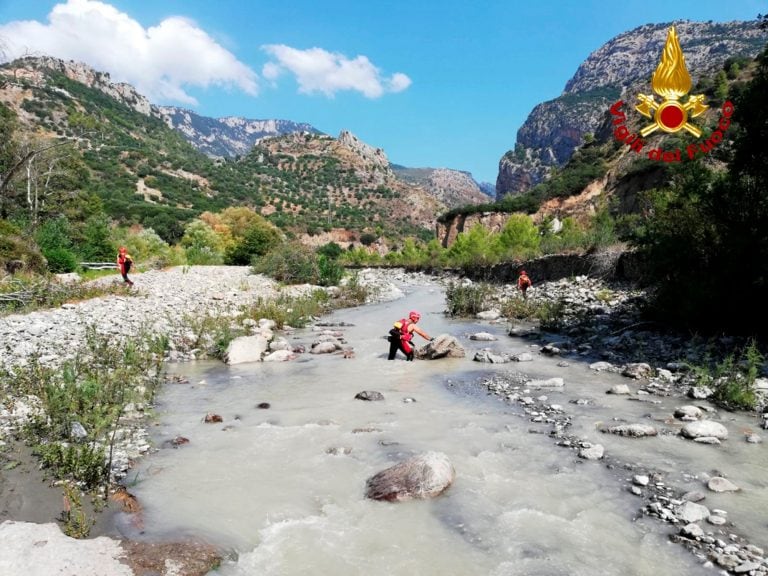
(159, 61)
(317, 70)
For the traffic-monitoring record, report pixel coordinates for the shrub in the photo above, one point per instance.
(202, 245)
(54, 234)
(60, 260)
(292, 263)
(733, 380)
(467, 300)
(330, 271)
(330, 250)
(258, 239)
(367, 238)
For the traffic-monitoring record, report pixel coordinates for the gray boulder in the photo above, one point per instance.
(324, 348)
(704, 429)
(423, 476)
(443, 346)
(637, 370)
(488, 356)
(632, 430)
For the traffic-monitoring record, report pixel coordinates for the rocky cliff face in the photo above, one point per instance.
(34, 70)
(451, 187)
(227, 137)
(447, 233)
(555, 128)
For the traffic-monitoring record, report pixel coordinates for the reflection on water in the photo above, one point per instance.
(264, 483)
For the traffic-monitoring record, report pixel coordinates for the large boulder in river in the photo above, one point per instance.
(246, 349)
(423, 476)
(704, 429)
(443, 346)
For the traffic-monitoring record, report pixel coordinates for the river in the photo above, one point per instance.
(263, 484)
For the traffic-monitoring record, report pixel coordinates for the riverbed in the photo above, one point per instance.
(282, 488)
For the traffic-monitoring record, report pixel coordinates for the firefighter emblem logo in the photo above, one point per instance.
(671, 81)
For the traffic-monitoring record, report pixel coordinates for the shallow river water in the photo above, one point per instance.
(263, 484)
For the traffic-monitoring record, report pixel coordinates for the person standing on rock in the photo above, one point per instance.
(124, 263)
(401, 335)
(523, 283)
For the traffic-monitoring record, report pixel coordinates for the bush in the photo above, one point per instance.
(467, 300)
(54, 234)
(330, 250)
(330, 271)
(292, 263)
(202, 245)
(258, 239)
(367, 238)
(61, 260)
(733, 380)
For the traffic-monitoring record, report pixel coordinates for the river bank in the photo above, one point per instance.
(222, 289)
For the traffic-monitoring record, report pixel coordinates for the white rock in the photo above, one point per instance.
(599, 366)
(548, 383)
(719, 484)
(483, 336)
(488, 315)
(691, 512)
(279, 356)
(246, 349)
(42, 550)
(704, 428)
(619, 389)
(592, 452)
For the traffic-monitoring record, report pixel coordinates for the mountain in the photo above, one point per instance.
(120, 149)
(622, 67)
(451, 187)
(227, 137)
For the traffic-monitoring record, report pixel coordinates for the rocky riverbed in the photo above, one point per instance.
(168, 303)
(598, 322)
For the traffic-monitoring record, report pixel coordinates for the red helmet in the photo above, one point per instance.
(414, 316)
(122, 250)
(523, 272)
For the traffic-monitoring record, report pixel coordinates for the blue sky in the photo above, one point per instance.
(434, 83)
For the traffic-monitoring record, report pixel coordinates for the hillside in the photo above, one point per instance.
(622, 67)
(145, 172)
(452, 187)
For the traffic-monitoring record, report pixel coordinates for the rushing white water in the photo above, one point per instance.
(262, 483)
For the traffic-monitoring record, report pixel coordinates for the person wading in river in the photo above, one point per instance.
(401, 335)
(124, 263)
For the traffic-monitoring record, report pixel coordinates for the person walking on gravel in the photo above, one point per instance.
(124, 263)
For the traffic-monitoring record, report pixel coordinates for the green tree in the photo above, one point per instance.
(519, 239)
(201, 244)
(97, 245)
(258, 239)
(476, 248)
